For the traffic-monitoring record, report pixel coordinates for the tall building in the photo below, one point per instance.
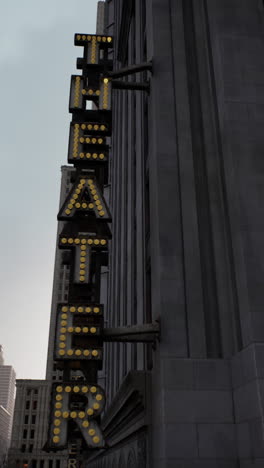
(187, 184)
(100, 18)
(7, 401)
(1, 356)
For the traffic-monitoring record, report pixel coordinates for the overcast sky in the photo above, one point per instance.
(37, 57)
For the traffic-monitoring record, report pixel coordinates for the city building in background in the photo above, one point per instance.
(30, 428)
(7, 402)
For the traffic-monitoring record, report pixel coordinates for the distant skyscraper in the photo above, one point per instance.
(7, 401)
(100, 18)
(1, 356)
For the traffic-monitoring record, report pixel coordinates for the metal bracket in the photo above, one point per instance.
(131, 85)
(146, 333)
(130, 70)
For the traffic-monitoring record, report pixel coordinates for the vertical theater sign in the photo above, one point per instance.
(77, 405)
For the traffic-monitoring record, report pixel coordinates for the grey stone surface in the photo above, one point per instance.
(212, 374)
(178, 374)
(217, 441)
(198, 406)
(247, 402)
(181, 441)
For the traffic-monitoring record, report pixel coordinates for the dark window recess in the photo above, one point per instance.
(28, 392)
(27, 404)
(50, 463)
(36, 391)
(26, 419)
(35, 404)
(23, 448)
(33, 419)
(30, 448)
(24, 433)
(58, 464)
(32, 433)
(34, 463)
(41, 464)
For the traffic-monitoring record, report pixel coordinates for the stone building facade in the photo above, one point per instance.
(186, 196)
